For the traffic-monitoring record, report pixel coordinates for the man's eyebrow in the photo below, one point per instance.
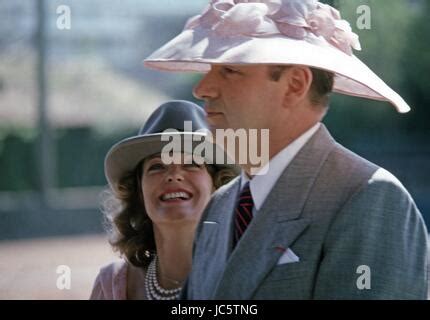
(236, 68)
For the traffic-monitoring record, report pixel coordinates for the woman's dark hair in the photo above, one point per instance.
(126, 221)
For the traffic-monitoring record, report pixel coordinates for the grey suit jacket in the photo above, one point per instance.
(337, 212)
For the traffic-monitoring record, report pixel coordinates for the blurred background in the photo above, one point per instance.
(67, 95)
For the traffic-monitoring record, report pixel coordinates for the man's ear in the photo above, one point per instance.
(298, 81)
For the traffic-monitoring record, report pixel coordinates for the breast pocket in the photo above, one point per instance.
(289, 271)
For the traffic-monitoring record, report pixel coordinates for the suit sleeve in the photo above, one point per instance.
(376, 246)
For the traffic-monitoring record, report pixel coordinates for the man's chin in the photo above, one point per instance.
(216, 124)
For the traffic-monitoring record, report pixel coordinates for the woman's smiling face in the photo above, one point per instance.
(175, 192)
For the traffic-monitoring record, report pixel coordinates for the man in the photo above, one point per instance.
(322, 223)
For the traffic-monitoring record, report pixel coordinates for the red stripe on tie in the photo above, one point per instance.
(243, 213)
(239, 230)
(249, 213)
(242, 218)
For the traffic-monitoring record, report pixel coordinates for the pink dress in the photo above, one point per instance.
(111, 282)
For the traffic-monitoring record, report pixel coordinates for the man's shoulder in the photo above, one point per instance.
(345, 159)
(337, 168)
(375, 193)
(372, 197)
(348, 175)
(365, 173)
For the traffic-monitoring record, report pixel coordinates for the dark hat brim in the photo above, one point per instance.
(124, 156)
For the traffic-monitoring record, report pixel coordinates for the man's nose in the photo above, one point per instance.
(206, 87)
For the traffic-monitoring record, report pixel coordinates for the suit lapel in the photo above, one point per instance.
(225, 220)
(256, 255)
(277, 225)
(213, 245)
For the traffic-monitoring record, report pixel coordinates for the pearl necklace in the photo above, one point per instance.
(153, 290)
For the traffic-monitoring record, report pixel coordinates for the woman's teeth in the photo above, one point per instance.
(175, 195)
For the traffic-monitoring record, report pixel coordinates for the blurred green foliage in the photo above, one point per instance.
(17, 163)
(396, 48)
(79, 156)
(415, 67)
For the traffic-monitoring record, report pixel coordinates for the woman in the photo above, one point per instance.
(160, 206)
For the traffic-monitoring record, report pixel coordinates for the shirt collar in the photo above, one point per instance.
(261, 185)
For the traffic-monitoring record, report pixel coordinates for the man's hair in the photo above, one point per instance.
(321, 87)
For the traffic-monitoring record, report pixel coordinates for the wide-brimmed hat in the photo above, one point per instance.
(277, 32)
(180, 124)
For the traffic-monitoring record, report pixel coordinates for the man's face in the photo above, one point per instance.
(238, 96)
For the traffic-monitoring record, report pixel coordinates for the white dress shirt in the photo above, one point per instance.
(261, 185)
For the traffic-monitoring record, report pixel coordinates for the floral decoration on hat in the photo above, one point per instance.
(296, 19)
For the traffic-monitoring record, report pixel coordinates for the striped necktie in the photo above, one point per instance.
(243, 213)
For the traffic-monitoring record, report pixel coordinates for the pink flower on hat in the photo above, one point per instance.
(246, 19)
(293, 18)
(326, 21)
(322, 20)
(272, 5)
(237, 17)
(297, 17)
